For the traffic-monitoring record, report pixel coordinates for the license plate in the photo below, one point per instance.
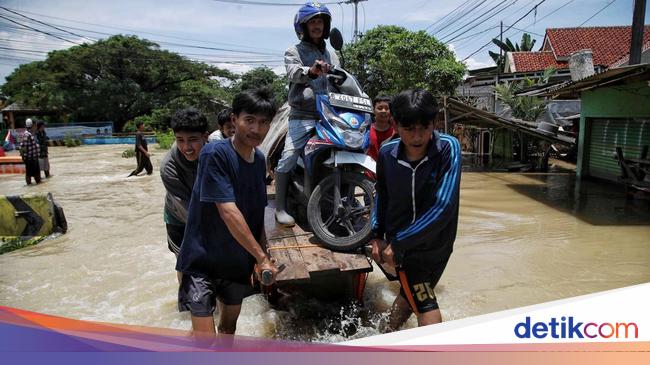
(351, 102)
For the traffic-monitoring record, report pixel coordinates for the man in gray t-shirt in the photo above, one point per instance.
(178, 171)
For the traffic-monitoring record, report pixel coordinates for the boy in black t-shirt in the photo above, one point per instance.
(141, 152)
(224, 235)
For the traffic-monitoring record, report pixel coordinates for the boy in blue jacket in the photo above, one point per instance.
(416, 213)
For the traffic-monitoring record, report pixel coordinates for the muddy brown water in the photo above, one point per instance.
(522, 239)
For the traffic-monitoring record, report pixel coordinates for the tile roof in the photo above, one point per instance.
(625, 59)
(535, 61)
(609, 44)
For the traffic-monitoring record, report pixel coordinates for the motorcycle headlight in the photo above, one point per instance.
(366, 123)
(353, 139)
(333, 117)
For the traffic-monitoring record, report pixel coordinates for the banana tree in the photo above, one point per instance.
(525, 45)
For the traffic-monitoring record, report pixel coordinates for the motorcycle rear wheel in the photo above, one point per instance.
(350, 230)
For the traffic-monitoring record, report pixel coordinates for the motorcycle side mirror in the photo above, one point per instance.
(336, 39)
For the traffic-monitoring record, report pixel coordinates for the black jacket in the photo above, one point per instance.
(417, 207)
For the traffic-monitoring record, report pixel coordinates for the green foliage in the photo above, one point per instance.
(264, 77)
(129, 153)
(524, 107)
(69, 141)
(525, 45)
(165, 139)
(115, 79)
(11, 243)
(159, 119)
(390, 59)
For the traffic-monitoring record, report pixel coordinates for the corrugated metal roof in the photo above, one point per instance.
(19, 107)
(596, 80)
(463, 111)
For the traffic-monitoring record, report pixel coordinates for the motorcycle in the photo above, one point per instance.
(330, 186)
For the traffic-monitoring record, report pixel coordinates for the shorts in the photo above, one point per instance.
(175, 238)
(199, 294)
(418, 284)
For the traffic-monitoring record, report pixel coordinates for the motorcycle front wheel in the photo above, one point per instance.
(347, 227)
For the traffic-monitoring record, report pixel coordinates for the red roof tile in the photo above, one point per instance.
(608, 44)
(535, 61)
(625, 59)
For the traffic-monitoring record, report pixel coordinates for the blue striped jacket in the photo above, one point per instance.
(416, 207)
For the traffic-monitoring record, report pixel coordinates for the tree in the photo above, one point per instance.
(524, 107)
(264, 77)
(390, 59)
(526, 45)
(115, 79)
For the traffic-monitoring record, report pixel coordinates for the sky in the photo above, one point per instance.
(240, 35)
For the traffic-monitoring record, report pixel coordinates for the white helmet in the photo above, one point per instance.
(29, 123)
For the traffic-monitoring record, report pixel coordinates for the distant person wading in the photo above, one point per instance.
(141, 152)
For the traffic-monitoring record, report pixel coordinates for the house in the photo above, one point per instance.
(615, 112)
(610, 46)
(14, 115)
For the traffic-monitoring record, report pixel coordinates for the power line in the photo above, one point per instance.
(263, 3)
(518, 20)
(49, 25)
(456, 9)
(482, 33)
(37, 30)
(527, 31)
(472, 7)
(181, 44)
(477, 18)
(545, 16)
(478, 33)
(598, 12)
(134, 31)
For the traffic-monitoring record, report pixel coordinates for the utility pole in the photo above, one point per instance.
(356, 35)
(498, 68)
(637, 32)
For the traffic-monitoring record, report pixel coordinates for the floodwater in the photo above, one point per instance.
(522, 240)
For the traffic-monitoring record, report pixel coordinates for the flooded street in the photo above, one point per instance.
(523, 239)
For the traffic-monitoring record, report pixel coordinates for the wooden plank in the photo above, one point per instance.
(317, 259)
(302, 254)
(279, 237)
(352, 261)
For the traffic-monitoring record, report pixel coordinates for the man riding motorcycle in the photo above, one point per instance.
(307, 64)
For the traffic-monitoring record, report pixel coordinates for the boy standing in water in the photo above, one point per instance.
(141, 152)
(226, 126)
(224, 235)
(178, 171)
(43, 157)
(416, 215)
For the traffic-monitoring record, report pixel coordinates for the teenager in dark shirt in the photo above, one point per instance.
(142, 154)
(224, 236)
(416, 215)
